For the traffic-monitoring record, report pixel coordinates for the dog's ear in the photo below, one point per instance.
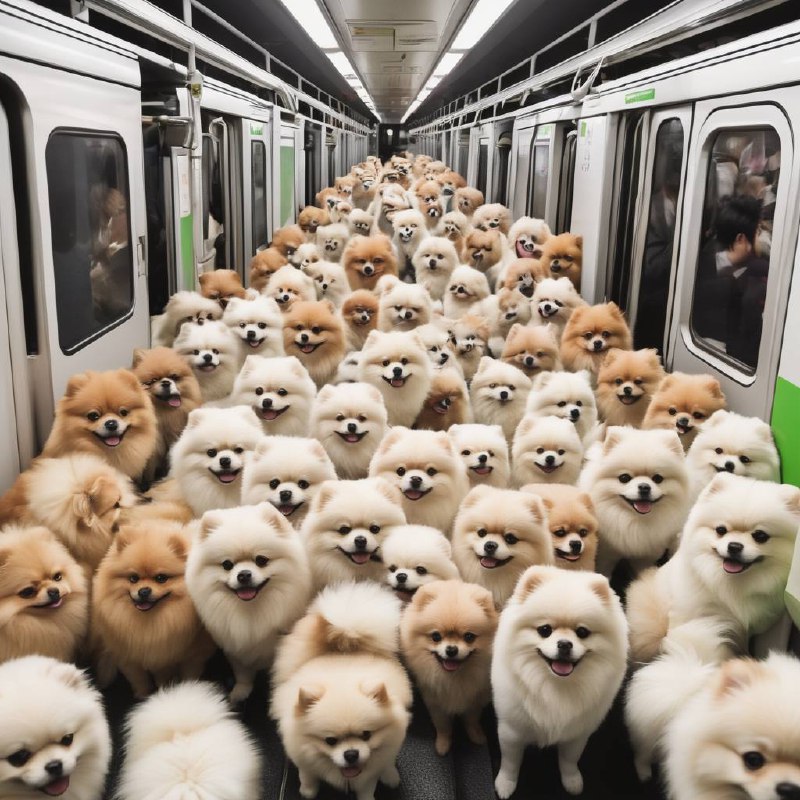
(530, 581)
(578, 241)
(250, 363)
(377, 691)
(82, 507)
(666, 382)
(372, 337)
(483, 598)
(614, 435)
(210, 521)
(389, 491)
(586, 500)
(719, 482)
(196, 416)
(276, 520)
(672, 442)
(391, 437)
(535, 506)
(515, 329)
(325, 493)
(178, 545)
(325, 392)
(615, 310)
(123, 539)
(611, 357)
(791, 496)
(307, 696)
(77, 382)
(4, 556)
(298, 367)
(525, 425)
(68, 674)
(138, 355)
(424, 596)
(487, 361)
(601, 587)
(713, 387)
(475, 495)
(736, 675)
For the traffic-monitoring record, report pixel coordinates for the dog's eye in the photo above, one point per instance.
(469, 637)
(316, 329)
(123, 412)
(492, 385)
(583, 532)
(721, 530)
(658, 478)
(431, 471)
(133, 578)
(386, 362)
(579, 403)
(93, 416)
(274, 483)
(20, 758)
(227, 565)
(482, 532)
(673, 411)
(366, 735)
(562, 404)
(561, 452)
(282, 392)
(393, 568)
(718, 451)
(745, 459)
(638, 381)
(331, 741)
(174, 377)
(618, 381)
(582, 633)
(262, 325)
(540, 450)
(510, 538)
(561, 533)
(211, 453)
(753, 760)
(303, 484)
(27, 593)
(465, 452)
(421, 571)
(241, 324)
(760, 537)
(401, 471)
(436, 636)
(362, 417)
(238, 450)
(57, 577)
(66, 741)
(588, 335)
(340, 417)
(262, 561)
(161, 578)
(698, 415)
(215, 351)
(404, 361)
(374, 528)
(544, 631)
(606, 334)
(625, 478)
(259, 391)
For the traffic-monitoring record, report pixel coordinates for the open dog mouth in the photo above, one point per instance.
(255, 342)
(352, 438)
(451, 664)
(629, 399)
(287, 509)
(147, 605)
(548, 468)
(561, 667)
(52, 604)
(351, 771)
(525, 249)
(567, 556)
(487, 562)
(406, 595)
(683, 429)
(172, 399)
(111, 439)
(415, 494)
(57, 787)
(482, 469)
(207, 367)
(546, 313)
(271, 413)
(640, 506)
(361, 557)
(397, 383)
(248, 593)
(225, 475)
(734, 566)
(308, 347)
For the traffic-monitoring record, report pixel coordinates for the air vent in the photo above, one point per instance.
(369, 36)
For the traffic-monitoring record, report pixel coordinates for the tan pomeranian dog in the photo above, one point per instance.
(309, 219)
(553, 301)
(143, 619)
(487, 251)
(44, 602)
(484, 451)
(546, 449)
(403, 306)
(289, 285)
(183, 308)
(532, 349)
(107, 414)
(466, 200)
(447, 402)
(683, 403)
(367, 259)
(450, 180)
(221, 285)
(522, 274)
(340, 696)
(497, 535)
(499, 392)
(562, 256)
(626, 383)
(313, 332)
(590, 333)
(506, 308)
(331, 239)
(572, 522)
(263, 265)
(287, 239)
(527, 236)
(492, 217)
(446, 635)
(359, 314)
(429, 200)
(456, 227)
(466, 287)
(174, 391)
(469, 339)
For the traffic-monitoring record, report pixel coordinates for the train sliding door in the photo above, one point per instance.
(257, 186)
(287, 177)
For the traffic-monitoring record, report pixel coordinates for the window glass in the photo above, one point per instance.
(566, 180)
(483, 163)
(502, 157)
(735, 241)
(651, 312)
(258, 154)
(213, 207)
(463, 153)
(287, 183)
(540, 176)
(87, 177)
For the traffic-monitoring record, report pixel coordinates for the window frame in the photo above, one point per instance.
(254, 143)
(542, 138)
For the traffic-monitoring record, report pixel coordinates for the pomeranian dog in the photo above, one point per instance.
(532, 349)
(732, 562)
(504, 310)
(683, 403)
(287, 472)
(732, 443)
(562, 256)
(456, 227)
(450, 180)
(307, 257)
(359, 314)
(208, 458)
(181, 309)
(221, 285)
(107, 414)
(390, 198)
(287, 239)
(465, 287)
(499, 392)
(546, 450)
(590, 333)
(552, 303)
(366, 259)
(349, 420)
(640, 488)
(279, 390)
(311, 218)
(397, 365)
(249, 578)
(560, 655)
(212, 353)
(409, 230)
(487, 251)
(288, 285)
(185, 741)
(143, 619)
(360, 222)
(522, 274)
(497, 534)
(345, 529)
(415, 555)
(447, 402)
(466, 200)
(174, 391)
(492, 217)
(313, 332)
(438, 345)
(428, 472)
(257, 324)
(55, 737)
(469, 339)
(264, 264)
(430, 202)
(527, 236)
(331, 240)
(484, 450)
(626, 383)
(567, 395)
(403, 307)
(341, 698)
(455, 622)
(44, 602)
(572, 522)
(330, 282)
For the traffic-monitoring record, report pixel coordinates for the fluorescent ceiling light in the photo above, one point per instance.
(446, 63)
(423, 95)
(342, 63)
(483, 16)
(433, 82)
(313, 21)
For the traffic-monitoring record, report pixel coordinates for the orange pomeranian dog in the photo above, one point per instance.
(310, 218)
(428, 198)
(466, 200)
(483, 249)
(531, 349)
(288, 239)
(107, 414)
(263, 265)
(366, 259)
(590, 333)
(626, 384)
(562, 256)
(522, 274)
(143, 619)
(314, 333)
(43, 599)
(360, 316)
(174, 391)
(221, 285)
(447, 402)
(684, 402)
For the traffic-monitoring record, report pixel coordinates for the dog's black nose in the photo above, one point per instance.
(111, 425)
(598, 344)
(788, 791)
(397, 372)
(683, 421)
(529, 362)
(483, 458)
(432, 263)
(303, 337)
(54, 768)
(285, 495)
(451, 651)
(574, 414)
(53, 594)
(361, 542)
(401, 577)
(504, 395)
(735, 548)
(165, 383)
(575, 546)
(266, 402)
(245, 576)
(461, 290)
(443, 357)
(547, 308)
(550, 460)
(555, 266)
(644, 489)
(145, 592)
(407, 315)
(564, 646)
(627, 391)
(225, 462)
(368, 270)
(730, 466)
(207, 357)
(351, 756)
(416, 481)
(351, 427)
(489, 547)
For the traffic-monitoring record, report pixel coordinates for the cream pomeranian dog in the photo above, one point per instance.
(526, 237)
(279, 390)
(184, 742)
(559, 659)
(428, 472)
(732, 562)
(415, 555)
(349, 420)
(499, 393)
(553, 301)
(249, 578)
(398, 366)
(484, 451)
(287, 472)
(330, 281)
(340, 696)
(729, 442)
(626, 383)
(345, 529)
(212, 351)
(183, 308)
(54, 737)
(454, 622)
(287, 286)
(403, 307)
(640, 489)
(258, 325)
(469, 339)
(465, 287)
(409, 230)
(436, 341)
(565, 394)
(497, 535)
(546, 450)
(434, 261)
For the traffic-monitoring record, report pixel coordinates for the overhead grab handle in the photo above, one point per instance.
(579, 92)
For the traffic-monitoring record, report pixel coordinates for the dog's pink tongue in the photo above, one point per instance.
(227, 477)
(397, 382)
(57, 787)
(254, 343)
(450, 664)
(269, 413)
(174, 402)
(351, 772)
(246, 594)
(489, 563)
(733, 567)
(643, 506)
(522, 252)
(360, 558)
(413, 494)
(482, 470)
(144, 606)
(352, 438)
(562, 668)
(112, 441)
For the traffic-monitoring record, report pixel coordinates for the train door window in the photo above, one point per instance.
(540, 172)
(503, 156)
(653, 297)
(213, 203)
(483, 164)
(733, 266)
(463, 153)
(258, 156)
(287, 179)
(87, 177)
(310, 147)
(566, 178)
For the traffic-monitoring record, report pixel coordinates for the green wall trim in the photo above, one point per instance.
(786, 427)
(187, 252)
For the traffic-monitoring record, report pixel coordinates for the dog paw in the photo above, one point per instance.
(309, 790)
(572, 782)
(644, 770)
(442, 744)
(239, 693)
(390, 777)
(504, 786)
(475, 734)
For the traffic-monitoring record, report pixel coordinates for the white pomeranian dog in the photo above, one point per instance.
(568, 395)
(258, 325)
(546, 450)
(499, 393)
(484, 451)
(213, 353)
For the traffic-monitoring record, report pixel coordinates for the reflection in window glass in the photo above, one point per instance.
(483, 164)
(540, 175)
(287, 184)
(213, 208)
(651, 313)
(259, 190)
(733, 264)
(88, 190)
(566, 180)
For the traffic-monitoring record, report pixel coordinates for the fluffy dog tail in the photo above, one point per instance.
(647, 610)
